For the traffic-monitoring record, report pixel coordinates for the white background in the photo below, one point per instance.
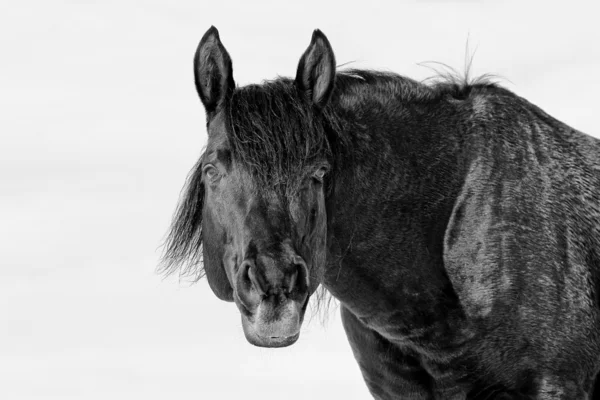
(99, 125)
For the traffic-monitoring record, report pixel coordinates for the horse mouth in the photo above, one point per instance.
(262, 331)
(273, 341)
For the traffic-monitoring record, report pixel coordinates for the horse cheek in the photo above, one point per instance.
(213, 254)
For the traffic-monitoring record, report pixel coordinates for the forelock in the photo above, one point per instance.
(274, 133)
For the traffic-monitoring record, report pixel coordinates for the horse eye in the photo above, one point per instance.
(320, 174)
(211, 172)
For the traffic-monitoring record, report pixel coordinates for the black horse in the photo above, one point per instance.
(457, 224)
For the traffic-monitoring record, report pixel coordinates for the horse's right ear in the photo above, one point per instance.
(316, 70)
(212, 71)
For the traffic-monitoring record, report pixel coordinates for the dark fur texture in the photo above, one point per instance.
(463, 229)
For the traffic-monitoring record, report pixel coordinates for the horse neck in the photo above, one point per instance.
(406, 151)
(396, 178)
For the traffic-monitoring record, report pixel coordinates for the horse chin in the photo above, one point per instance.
(262, 330)
(272, 342)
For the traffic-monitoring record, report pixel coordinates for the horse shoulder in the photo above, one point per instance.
(471, 256)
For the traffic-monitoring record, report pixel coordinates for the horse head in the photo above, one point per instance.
(255, 203)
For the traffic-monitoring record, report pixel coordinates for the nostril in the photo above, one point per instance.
(249, 291)
(300, 279)
(292, 280)
(244, 273)
(256, 279)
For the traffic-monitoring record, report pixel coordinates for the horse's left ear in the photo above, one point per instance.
(316, 70)
(212, 71)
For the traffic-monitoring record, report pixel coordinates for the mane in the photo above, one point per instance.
(365, 82)
(183, 245)
(448, 80)
(276, 134)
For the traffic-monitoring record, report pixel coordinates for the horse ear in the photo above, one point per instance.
(212, 71)
(316, 70)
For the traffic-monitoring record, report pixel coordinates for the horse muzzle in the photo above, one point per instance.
(273, 325)
(272, 302)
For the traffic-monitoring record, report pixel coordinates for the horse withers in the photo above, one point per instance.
(457, 224)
